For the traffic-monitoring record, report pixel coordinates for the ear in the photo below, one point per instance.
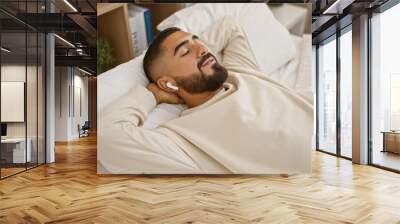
(162, 84)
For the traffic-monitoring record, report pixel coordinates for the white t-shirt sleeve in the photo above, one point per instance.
(125, 146)
(227, 40)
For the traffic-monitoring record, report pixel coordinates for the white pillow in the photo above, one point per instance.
(198, 17)
(269, 40)
(116, 82)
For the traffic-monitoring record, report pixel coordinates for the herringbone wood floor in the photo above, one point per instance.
(70, 191)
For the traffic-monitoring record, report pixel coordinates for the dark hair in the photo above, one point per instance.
(154, 50)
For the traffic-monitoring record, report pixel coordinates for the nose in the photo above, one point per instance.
(201, 50)
(204, 52)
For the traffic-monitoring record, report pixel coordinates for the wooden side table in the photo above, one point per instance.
(391, 141)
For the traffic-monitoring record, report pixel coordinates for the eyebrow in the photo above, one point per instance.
(194, 37)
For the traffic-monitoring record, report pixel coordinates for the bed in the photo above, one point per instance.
(284, 57)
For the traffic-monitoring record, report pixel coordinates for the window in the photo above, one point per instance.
(327, 96)
(346, 93)
(385, 88)
(22, 101)
(394, 101)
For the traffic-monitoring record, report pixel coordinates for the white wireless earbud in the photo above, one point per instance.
(171, 86)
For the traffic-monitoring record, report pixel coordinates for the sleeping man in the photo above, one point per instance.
(238, 120)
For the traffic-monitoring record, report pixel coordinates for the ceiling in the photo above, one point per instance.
(39, 6)
(332, 15)
(19, 54)
(73, 20)
(79, 27)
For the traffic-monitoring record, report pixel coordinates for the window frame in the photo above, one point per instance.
(378, 10)
(334, 37)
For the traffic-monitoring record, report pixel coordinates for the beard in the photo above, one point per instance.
(201, 82)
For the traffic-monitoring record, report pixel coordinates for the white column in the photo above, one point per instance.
(50, 99)
(63, 99)
(360, 90)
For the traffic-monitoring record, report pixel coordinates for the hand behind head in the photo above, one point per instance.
(163, 96)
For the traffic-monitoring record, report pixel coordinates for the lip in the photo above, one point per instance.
(208, 61)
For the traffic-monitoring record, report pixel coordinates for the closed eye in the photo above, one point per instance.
(186, 53)
(194, 37)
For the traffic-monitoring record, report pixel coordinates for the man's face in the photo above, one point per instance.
(190, 63)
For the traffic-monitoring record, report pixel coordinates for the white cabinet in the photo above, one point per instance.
(18, 149)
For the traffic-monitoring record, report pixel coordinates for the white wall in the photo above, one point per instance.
(10, 72)
(80, 84)
(62, 81)
(69, 82)
(34, 124)
(14, 73)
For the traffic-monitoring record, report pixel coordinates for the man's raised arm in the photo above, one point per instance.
(228, 41)
(126, 147)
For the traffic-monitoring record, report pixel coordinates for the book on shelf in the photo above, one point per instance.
(140, 26)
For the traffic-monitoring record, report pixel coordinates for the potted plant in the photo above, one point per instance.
(105, 60)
